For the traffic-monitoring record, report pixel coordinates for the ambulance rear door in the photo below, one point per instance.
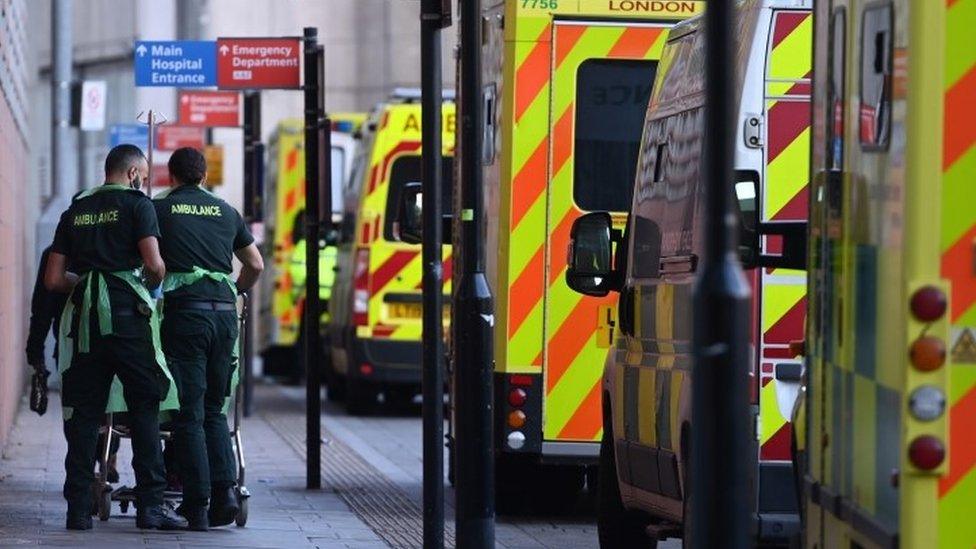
(601, 78)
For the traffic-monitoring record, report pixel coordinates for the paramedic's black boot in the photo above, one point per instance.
(78, 522)
(159, 517)
(195, 516)
(196, 519)
(223, 506)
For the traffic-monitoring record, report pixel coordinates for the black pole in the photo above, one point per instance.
(721, 497)
(431, 20)
(473, 361)
(313, 346)
(252, 168)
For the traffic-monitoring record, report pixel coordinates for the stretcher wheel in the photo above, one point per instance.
(105, 505)
(124, 506)
(241, 519)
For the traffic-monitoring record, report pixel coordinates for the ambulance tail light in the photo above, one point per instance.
(926, 452)
(929, 303)
(928, 353)
(360, 293)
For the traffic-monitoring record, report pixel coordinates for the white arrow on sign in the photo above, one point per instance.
(141, 50)
(224, 49)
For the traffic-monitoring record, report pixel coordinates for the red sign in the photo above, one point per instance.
(245, 63)
(160, 174)
(170, 138)
(210, 108)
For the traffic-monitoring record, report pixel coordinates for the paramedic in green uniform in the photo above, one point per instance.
(201, 235)
(106, 235)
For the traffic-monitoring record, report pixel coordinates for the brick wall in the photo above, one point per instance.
(15, 260)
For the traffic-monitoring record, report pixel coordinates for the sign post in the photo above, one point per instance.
(135, 134)
(183, 63)
(209, 108)
(313, 348)
(432, 19)
(253, 168)
(91, 107)
(172, 137)
(720, 393)
(250, 63)
(153, 119)
(474, 311)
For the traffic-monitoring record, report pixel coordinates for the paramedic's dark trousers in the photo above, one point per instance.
(199, 345)
(127, 353)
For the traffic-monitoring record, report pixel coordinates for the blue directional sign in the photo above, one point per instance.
(183, 63)
(134, 134)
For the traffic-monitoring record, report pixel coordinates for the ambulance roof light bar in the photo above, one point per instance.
(410, 95)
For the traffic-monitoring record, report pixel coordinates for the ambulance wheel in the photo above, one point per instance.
(616, 526)
(561, 486)
(513, 484)
(360, 397)
(336, 391)
(335, 383)
(687, 517)
(241, 519)
(105, 505)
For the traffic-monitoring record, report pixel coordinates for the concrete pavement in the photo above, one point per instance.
(282, 512)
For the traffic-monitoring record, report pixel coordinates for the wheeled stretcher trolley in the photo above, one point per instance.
(103, 493)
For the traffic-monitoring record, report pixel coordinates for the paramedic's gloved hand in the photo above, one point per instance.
(39, 367)
(157, 292)
(38, 398)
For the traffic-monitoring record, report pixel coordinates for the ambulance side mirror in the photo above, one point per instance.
(590, 266)
(409, 222)
(785, 241)
(792, 243)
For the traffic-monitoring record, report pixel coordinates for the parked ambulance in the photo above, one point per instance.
(654, 260)
(565, 89)
(890, 406)
(282, 293)
(376, 303)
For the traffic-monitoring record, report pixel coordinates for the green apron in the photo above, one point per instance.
(94, 281)
(174, 281)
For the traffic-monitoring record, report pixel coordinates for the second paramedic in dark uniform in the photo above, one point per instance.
(106, 235)
(201, 235)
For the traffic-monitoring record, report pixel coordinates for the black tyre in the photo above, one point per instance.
(336, 390)
(105, 505)
(617, 527)
(360, 397)
(512, 485)
(687, 517)
(241, 519)
(559, 487)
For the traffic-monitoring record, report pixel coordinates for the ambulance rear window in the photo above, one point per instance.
(611, 99)
(406, 169)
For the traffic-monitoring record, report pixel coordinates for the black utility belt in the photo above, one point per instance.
(137, 310)
(194, 305)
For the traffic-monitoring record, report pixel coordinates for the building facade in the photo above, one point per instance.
(15, 239)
